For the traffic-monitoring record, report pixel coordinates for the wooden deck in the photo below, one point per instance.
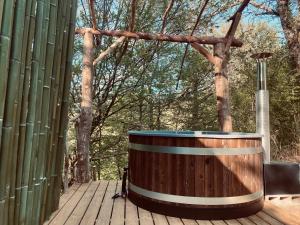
(91, 203)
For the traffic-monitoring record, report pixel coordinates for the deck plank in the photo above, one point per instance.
(245, 221)
(81, 208)
(118, 213)
(255, 219)
(281, 214)
(107, 205)
(159, 219)
(90, 216)
(145, 217)
(174, 220)
(68, 208)
(268, 218)
(218, 222)
(131, 213)
(232, 222)
(63, 200)
(189, 222)
(91, 203)
(204, 222)
(68, 194)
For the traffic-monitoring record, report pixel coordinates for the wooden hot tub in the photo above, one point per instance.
(199, 175)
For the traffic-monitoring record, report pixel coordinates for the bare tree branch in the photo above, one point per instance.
(264, 8)
(92, 12)
(199, 17)
(103, 54)
(187, 46)
(235, 22)
(162, 37)
(133, 14)
(204, 52)
(166, 13)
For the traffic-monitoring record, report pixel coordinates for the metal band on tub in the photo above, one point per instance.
(196, 200)
(194, 150)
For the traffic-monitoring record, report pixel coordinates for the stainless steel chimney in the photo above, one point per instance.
(262, 103)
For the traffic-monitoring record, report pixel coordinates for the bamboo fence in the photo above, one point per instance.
(36, 49)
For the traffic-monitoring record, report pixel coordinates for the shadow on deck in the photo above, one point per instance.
(91, 203)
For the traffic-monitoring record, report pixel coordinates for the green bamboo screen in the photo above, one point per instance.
(36, 47)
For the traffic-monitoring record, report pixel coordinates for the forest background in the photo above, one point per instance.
(149, 85)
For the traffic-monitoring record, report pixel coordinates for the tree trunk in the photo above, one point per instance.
(222, 88)
(85, 119)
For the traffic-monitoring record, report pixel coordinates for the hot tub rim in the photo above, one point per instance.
(195, 134)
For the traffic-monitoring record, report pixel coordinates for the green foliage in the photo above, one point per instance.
(135, 87)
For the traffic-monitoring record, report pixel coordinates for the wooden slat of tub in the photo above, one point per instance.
(199, 176)
(149, 162)
(157, 171)
(218, 171)
(240, 174)
(190, 175)
(107, 205)
(140, 169)
(131, 163)
(145, 217)
(180, 175)
(191, 170)
(256, 166)
(174, 220)
(199, 161)
(174, 174)
(136, 169)
(159, 219)
(139, 181)
(251, 168)
(236, 186)
(245, 188)
(225, 174)
(93, 209)
(209, 171)
(256, 169)
(131, 213)
(163, 170)
(148, 174)
(170, 172)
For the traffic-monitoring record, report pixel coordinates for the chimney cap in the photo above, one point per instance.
(262, 55)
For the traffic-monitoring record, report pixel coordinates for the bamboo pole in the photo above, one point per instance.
(30, 138)
(1, 12)
(54, 99)
(5, 47)
(45, 105)
(26, 71)
(11, 117)
(37, 177)
(59, 121)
